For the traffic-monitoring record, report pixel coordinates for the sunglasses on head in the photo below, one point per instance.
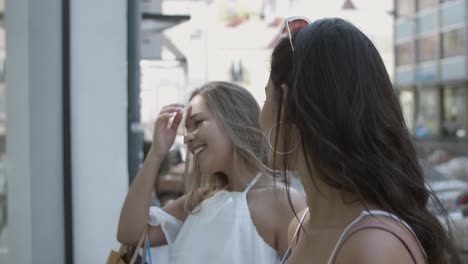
(292, 25)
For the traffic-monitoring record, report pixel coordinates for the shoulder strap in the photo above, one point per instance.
(253, 182)
(342, 238)
(296, 236)
(396, 218)
(379, 223)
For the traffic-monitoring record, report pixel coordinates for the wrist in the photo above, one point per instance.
(155, 155)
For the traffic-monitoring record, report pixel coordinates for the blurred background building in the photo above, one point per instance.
(431, 71)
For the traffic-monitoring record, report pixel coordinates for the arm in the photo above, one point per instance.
(135, 211)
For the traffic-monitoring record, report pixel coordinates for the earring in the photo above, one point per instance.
(279, 152)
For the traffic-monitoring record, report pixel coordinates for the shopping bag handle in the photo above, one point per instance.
(138, 247)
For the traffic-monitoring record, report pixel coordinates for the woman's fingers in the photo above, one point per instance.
(175, 104)
(167, 112)
(165, 115)
(176, 121)
(172, 108)
(163, 119)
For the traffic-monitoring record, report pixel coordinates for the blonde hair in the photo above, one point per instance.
(238, 114)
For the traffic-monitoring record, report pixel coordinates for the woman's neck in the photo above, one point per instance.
(239, 178)
(329, 206)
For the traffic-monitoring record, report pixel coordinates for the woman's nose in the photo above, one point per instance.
(188, 138)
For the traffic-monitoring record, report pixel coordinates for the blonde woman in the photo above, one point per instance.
(234, 211)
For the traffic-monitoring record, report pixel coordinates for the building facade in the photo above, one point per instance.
(430, 42)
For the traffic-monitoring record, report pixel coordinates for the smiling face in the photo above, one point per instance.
(206, 138)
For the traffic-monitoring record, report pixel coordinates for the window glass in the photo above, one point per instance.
(426, 49)
(405, 8)
(453, 43)
(427, 119)
(454, 123)
(423, 4)
(407, 102)
(404, 53)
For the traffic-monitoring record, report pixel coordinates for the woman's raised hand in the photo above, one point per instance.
(163, 134)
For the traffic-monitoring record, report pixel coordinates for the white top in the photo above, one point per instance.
(221, 231)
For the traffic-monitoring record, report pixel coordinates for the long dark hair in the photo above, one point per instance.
(354, 137)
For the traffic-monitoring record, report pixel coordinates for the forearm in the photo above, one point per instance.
(135, 210)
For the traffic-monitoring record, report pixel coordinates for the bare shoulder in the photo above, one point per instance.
(373, 246)
(271, 213)
(283, 198)
(278, 200)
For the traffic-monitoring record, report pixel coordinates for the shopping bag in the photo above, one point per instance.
(118, 257)
(132, 255)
